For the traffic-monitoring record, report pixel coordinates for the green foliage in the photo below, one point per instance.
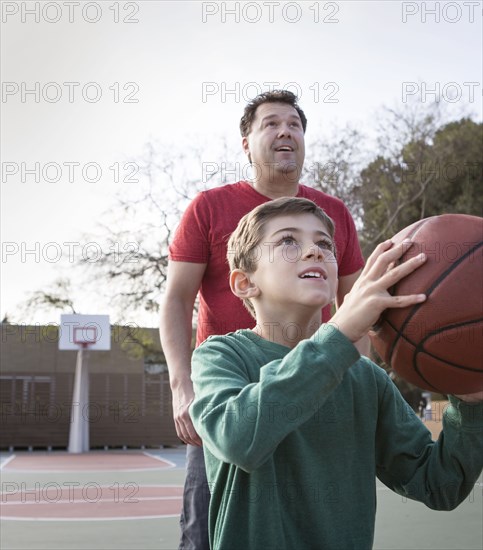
(138, 342)
(441, 172)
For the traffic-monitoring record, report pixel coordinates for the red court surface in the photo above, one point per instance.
(58, 500)
(92, 461)
(91, 501)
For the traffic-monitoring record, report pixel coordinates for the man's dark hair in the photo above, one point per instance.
(275, 96)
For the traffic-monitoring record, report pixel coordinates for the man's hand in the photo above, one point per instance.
(369, 296)
(182, 399)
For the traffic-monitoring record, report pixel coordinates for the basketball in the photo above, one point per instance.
(437, 345)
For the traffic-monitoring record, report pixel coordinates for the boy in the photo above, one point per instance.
(295, 424)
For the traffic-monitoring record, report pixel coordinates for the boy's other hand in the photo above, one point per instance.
(471, 397)
(369, 296)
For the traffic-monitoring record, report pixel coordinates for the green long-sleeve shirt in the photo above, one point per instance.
(294, 440)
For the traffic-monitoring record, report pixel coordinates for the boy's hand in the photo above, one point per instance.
(471, 397)
(369, 297)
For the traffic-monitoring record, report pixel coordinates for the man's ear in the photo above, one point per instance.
(242, 286)
(246, 148)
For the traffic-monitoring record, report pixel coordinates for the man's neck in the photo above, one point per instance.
(275, 189)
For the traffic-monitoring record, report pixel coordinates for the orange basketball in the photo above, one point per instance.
(438, 345)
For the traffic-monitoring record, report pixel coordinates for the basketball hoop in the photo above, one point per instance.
(82, 333)
(85, 336)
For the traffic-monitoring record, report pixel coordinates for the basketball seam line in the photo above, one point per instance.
(432, 333)
(428, 293)
(418, 347)
(417, 350)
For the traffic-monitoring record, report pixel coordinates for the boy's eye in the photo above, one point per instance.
(325, 244)
(288, 240)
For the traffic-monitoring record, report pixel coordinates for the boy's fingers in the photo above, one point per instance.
(385, 256)
(380, 249)
(399, 272)
(390, 257)
(405, 301)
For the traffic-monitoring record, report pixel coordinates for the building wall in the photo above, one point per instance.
(129, 394)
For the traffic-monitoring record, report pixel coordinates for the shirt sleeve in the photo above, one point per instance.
(241, 422)
(440, 474)
(191, 242)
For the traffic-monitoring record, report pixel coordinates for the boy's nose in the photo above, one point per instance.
(313, 251)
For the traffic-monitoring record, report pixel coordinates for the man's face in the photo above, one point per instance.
(296, 266)
(275, 144)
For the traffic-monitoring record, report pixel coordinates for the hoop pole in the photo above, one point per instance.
(79, 421)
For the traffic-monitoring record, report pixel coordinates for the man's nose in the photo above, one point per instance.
(284, 130)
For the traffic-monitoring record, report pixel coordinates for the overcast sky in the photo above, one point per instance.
(84, 87)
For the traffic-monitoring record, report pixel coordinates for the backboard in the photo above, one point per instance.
(90, 331)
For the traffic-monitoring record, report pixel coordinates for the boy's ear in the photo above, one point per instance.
(241, 285)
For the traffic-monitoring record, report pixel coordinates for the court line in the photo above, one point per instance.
(172, 464)
(78, 488)
(97, 518)
(62, 501)
(91, 519)
(6, 461)
(83, 471)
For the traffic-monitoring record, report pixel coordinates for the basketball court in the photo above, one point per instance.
(131, 500)
(95, 500)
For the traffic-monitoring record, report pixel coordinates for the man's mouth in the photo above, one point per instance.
(284, 148)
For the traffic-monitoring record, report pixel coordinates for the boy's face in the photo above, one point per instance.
(296, 264)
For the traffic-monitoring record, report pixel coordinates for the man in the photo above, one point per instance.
(273, 129)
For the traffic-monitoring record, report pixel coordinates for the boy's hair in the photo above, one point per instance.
(245, 240)
(275, 96)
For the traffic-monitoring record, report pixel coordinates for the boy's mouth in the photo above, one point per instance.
(316, 273)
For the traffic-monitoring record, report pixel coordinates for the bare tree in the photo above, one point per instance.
(57, 296)
(333, 164)
(135, 234)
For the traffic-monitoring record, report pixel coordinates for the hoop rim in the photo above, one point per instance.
(82, 341)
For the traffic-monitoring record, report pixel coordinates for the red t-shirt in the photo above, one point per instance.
(203, 234)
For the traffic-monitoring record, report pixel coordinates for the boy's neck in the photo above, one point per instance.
(287, 332)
